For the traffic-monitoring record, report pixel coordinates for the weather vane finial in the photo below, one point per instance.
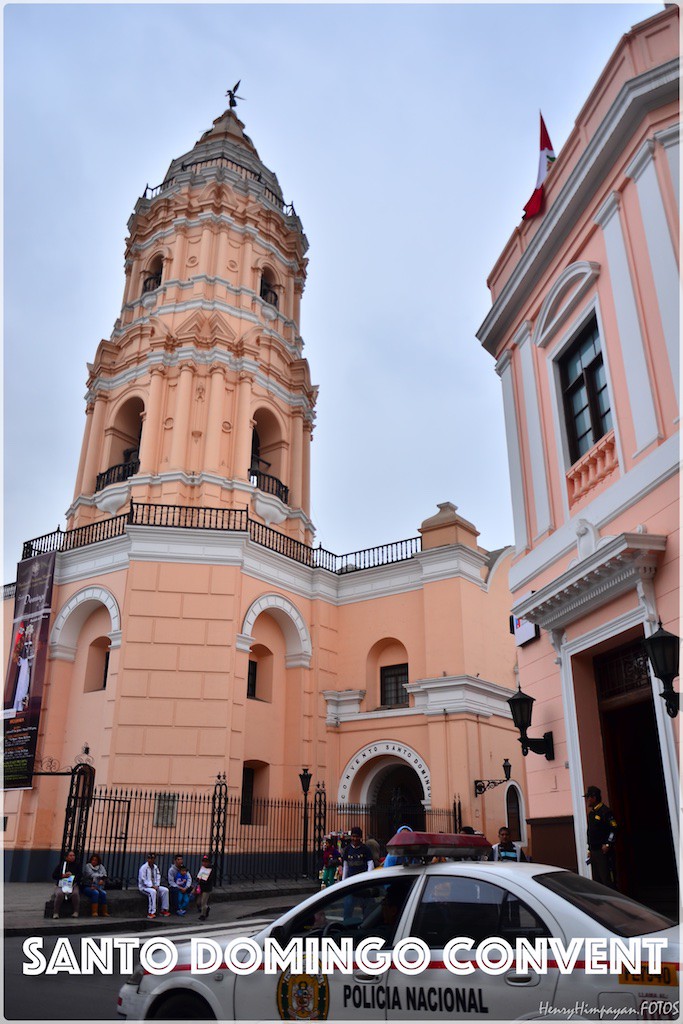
(232, 93)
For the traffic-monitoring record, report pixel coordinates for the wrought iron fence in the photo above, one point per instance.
(117, 474)
(230, 519)
(246, 839)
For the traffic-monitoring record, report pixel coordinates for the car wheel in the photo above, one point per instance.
(181, 1006)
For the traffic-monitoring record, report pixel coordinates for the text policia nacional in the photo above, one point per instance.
(410, 956)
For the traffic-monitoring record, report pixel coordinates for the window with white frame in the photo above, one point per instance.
(587, 412)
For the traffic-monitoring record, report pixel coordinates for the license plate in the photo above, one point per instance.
(668, 976)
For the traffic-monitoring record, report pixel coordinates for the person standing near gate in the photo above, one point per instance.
(602, 833)
(357, 857)
(205, 877)
(149, 882)
(68, 877)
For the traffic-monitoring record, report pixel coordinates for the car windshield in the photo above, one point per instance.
(611, 909)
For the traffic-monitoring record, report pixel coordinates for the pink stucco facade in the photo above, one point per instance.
(584, 327)
(189, 553)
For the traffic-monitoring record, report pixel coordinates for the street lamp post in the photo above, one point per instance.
(481, 785)
(305, 780)
(520, 706)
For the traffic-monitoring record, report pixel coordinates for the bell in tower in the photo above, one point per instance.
(201, 397)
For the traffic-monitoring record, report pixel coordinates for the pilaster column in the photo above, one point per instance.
(638, 384)
(214, 418)
(84, 449)
(222, 250)
(243, 428)
(306, 468)
(92, 461)
(660, 250)
(504, 371)
(205, 251)
(177, 268)
(246, 269)
(296, 459)
(181, 417)
(149, 442)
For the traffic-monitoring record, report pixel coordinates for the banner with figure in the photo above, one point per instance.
(26, 670)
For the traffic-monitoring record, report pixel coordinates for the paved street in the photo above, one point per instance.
(93, 997)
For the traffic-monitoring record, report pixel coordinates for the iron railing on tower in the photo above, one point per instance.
(233, 520)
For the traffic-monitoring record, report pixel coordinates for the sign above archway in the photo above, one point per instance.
(381, 752)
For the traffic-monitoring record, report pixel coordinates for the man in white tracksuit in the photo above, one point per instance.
(149, 882)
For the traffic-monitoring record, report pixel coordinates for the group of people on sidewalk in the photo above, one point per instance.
(180, 889)
(356, 856)
(70, 881)
(346, 854)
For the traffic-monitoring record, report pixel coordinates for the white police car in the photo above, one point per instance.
(458, 939)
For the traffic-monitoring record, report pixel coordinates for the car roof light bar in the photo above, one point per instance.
(455, 846)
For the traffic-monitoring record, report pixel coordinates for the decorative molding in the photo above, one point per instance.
(655, 469)
(387, 751)
(71, 617)
(608, 210)
(111, 499)
(669, 137)
(269, 508)
(641, 160)
(592, 468)
(342, 705)
(573, 282)
(291, 622)
(460, 695)
(614, 568)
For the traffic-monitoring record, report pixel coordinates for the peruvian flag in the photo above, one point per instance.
(545, 161)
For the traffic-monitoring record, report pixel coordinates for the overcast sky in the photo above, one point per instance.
(407, 138)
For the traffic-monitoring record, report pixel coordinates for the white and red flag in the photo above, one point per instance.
(545, 161)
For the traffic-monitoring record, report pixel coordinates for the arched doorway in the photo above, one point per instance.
(398, 801)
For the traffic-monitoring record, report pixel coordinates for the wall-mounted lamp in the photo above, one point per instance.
(521, 706)
(481, 785)
(663, 650)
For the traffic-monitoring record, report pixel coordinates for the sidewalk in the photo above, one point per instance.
(24, 907)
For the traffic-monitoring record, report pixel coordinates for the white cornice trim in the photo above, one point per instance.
(670, 136)
(208, 357)
(618, 565)
(641, 160)
(608, 210)
(452, 561)
(635, 98)
(191, 546)
(461, 695)
(342, 705)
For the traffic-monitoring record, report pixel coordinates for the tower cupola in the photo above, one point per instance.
(202, 396)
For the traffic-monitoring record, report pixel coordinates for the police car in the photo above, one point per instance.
(460, 937)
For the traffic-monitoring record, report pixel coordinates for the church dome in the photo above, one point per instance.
(226, 145)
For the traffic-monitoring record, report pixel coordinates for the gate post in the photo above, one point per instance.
(218, 819)
(78, 810)
(319, 817)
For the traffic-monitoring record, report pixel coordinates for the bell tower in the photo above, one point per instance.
(202, 396)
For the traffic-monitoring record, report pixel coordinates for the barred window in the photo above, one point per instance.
(165, 810)
(251, 679)
(392, 689)
(584, 386)
(247, 808)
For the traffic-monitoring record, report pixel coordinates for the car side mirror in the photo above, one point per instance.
(277, 933)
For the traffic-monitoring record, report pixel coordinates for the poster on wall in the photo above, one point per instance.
(26, 669)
